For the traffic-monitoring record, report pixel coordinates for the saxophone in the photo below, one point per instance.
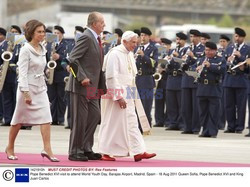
(51, 65)
(6, 56)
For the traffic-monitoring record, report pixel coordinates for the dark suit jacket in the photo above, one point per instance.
(88, 57)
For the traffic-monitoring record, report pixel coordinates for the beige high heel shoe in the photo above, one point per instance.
(52, 159)
(11, 157)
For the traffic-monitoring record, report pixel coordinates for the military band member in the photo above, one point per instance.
(105, 45)
(119, 33)
(189, 107)
(3, 47)
(79, 30)
(9, 87)
(146, 62)
(174, 85)
(160, 102)
(205, 37)
(223, 43)
(138, 32)
(235, 84)
(56, 90)
(209, 92)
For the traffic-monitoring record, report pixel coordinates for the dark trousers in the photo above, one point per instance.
(9, 101)
(67, 99)
(56, 93)
(222, 121)
(1, 106)
(189, 110)
(235, 101)
(209, 115)
(147, 96)
(85, 115)
(174, 109)
(160, 107)
(248, 111)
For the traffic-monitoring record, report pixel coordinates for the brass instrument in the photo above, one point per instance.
(138, 49)
(66, 79)
(6, 56)
(51, 65)
(190, 48)
(161, 67)
(157, 76)
(231, 64)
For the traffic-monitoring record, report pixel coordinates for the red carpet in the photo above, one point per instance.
(37, 160)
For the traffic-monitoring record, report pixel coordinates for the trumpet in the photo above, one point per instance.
(6, 56)
(190, 48)
(138, 49)
(231, 64)
(51, 66)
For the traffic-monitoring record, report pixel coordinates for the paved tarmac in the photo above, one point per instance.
(169, 145)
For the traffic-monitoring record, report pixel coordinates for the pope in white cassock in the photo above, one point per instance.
(119, 134)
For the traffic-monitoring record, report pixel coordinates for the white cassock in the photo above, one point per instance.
(119, 134)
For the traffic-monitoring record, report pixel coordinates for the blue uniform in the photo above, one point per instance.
(10, 85)
(209, 93)
(235, 85)
(3, 48)
(222, 123)
(248, 97)
(161, 117)
(65, 63)
(56, 91)
(189, 106)
(174, 92)
(145, 83)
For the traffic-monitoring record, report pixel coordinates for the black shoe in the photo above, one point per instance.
(93, 156)
(5, 124)
(67, 127)
(54, 123)
(247, 135)
(238, 132)
(159, 125)
(207, 136)
(187, 132)
(229, 131)
(78, 158)
(26, 127)
(172, 129)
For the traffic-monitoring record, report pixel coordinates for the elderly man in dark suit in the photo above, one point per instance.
(85, 112)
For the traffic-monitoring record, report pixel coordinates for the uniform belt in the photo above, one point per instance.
(234, 72)
(143, 73)
(206, 81)
(175, 73)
